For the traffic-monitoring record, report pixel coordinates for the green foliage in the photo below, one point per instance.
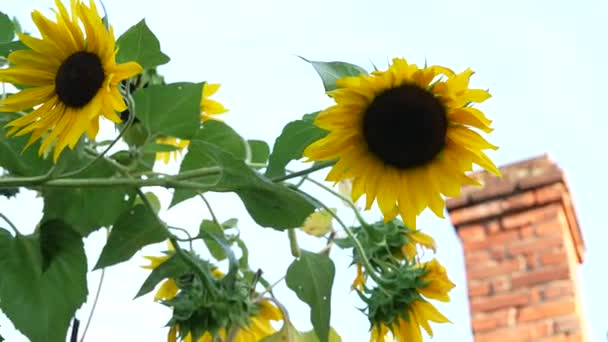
(134, 229)
(290, 334)
(140, 45)
(330, 72)
(311, 277)
(7, 29)
(173, 267)
(210, 227)
(270, 205)
(170, 110)
(40, 301)
(290, 145)
(259, 151)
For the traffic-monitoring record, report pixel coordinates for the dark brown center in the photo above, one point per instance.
(79, 78)
(405, 127)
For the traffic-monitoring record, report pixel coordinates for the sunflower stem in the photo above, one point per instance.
(210, 209)
(357, 244)
(293, 243)
(10, 223)
(344, 199)
(304, 172)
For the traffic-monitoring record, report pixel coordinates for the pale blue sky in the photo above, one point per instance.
(543, 62)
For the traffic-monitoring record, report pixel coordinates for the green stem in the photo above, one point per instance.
(185, 231)
(167, 182)
(357, 244)
(293, 243)
(86, 327)
(344, 199)
(312, 169)
(210, 209)
(10, 223)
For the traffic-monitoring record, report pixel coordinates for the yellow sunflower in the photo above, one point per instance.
(360, 279)
(404, 136)
(417, 238)
(258, 328)
(209, 109)
(406, 327)
(72, 80)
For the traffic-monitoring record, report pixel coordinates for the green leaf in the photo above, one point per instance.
(269, 204)
(259, 151)
(134, 229)
(7, 29)
(330, 72)
(41, 303)
(214, 247)
(154, 201)
(244, 259)
(223, 136)
(88, 209)
(311, 277)
(174, 267)
(231, 223)
(170, 110)
(12, 157)
(140, 45)
(7, 48)
(290, 145)
(53, 233)
(220, 240)
(155, 148)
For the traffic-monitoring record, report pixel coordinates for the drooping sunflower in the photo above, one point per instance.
(259, 327)
(404, 136)
(71, 75)
(417, 312)
(209, 110)
(415, 239)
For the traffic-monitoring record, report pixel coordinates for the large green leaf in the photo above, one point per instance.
(290, 145)
(170, 110)
(259, 151)
(140, 45)
(330, 72)
(87, 209)
(214, 247)
(7, 29)
(171, 268)
(41, 303)
(222, 135)
(269, 204)
(311, 277)
(7, 48)
(134, 229)
(12, 157)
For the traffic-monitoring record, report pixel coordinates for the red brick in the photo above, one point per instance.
(555, 257)
(567, 325)
(526, 232)
(529, 216)
(456, 202)
(491, 240)
(493, 190)
(519, 333)
(476, 257)
(546, 310)
(519, 201)
(536, 295)
(549, 227)
(496, 302)
(564, 338)
(547, 177)
(531, 261)
(491, 321)
(506, 267)
(475, 212)
(493, 227)
(559, 289)
(501, 284)
(498, 253)
(533, 246)
(478, 290)
(540, 276)
(471, 232)
(550, 193)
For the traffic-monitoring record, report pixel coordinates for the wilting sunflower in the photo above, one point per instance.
(72, 80)
(415, 239)
(405, 137)
(209, 109)
(258, 328)
(405, 325)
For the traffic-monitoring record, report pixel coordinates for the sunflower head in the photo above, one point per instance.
(405, 136)
(71, 78)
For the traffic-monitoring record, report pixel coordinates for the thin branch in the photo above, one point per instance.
(208, 205)
(293, 243)
(86, 327)
(10, 223)
(304, 172)
(344, 199)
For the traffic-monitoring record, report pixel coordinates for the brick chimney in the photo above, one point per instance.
(522, 245)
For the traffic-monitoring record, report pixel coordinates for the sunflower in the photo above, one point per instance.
(417, 238)
(405, 325)
(71, 80)
(209, 109)
(258, 328)
(360, 279)
(404, 136)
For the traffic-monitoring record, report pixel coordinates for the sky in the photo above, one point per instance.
(543, 62)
